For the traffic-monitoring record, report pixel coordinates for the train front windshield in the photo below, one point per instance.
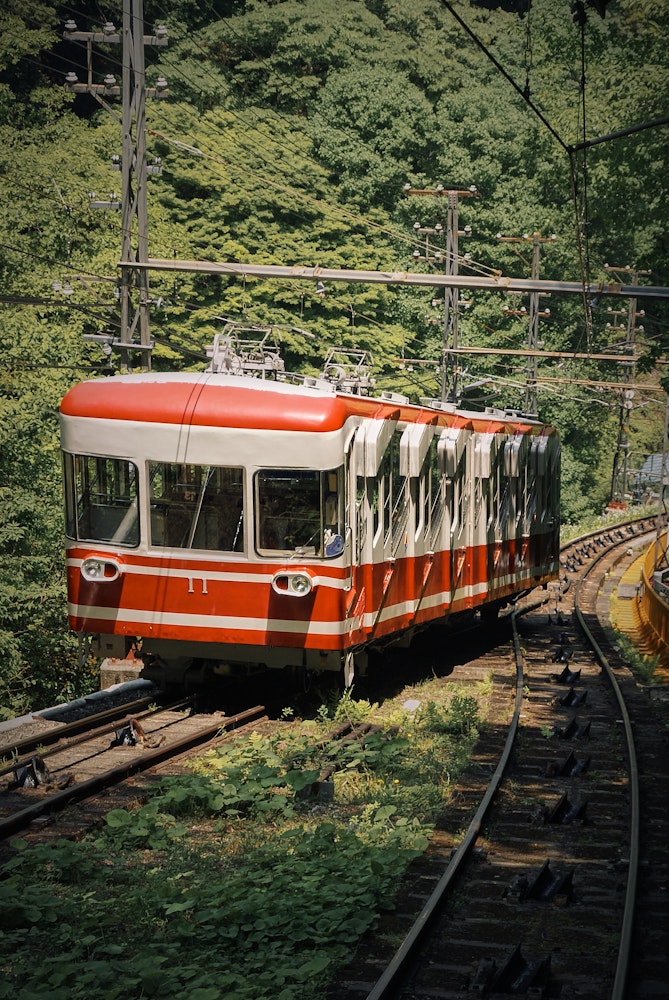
(101, 499)
(299, 510)
(296, 511)
(197, 506)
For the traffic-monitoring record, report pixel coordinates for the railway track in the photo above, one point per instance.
(89, 757)
(558, 887)
(532, 899)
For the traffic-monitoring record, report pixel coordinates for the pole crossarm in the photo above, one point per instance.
(597, 384)
(528, 352)
(493, 284)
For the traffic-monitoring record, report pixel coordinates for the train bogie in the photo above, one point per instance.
(246, 524)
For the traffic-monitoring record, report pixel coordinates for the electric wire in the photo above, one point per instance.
(367, 318)
(322, 204)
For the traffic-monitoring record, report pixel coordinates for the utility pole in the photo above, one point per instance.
(451, 292)
(536, 239)
(134, 290)
(620, 473)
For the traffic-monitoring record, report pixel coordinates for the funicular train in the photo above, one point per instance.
(223, 523)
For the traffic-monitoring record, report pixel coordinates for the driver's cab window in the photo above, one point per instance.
(299, 511)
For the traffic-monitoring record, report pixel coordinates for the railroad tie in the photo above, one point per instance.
(516, 975)
(570, 767)
(544, 886)
(565, 811)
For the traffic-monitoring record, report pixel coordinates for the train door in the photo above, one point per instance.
(483, 529)
(352, 526)
(494, 487)
(390, 526)
(544, 461)
(422, 478)
(437, 500)
(515, 474)
(355, 542)
(454, 450)
(553, 501)
(376, 472)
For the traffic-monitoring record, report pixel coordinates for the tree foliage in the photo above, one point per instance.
(291, 129)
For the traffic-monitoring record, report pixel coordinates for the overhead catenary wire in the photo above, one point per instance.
(391, 233)
(358, 218)
(321, 204)
(324, 206)
(295, 190)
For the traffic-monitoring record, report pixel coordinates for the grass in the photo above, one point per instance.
(230, 880)
(642, 666)
(598, 522)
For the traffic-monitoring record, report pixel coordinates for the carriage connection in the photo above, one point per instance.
(219, 522)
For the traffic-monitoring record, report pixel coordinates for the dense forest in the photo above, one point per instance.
(289, 132)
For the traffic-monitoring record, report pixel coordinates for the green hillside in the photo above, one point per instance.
(290, 131)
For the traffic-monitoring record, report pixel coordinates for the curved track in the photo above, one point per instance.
(541, 896)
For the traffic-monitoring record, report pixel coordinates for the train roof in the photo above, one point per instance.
(212, 399)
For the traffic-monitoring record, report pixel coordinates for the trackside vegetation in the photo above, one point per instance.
(289, 133)
(235, 879)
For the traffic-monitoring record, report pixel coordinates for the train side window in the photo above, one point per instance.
(300, 510)
(552, 482)
(376, 506)
(197, 506)
(383, 492)
(499, 495)
(478, 498)
(432, 486)
(530, 502)
(505, 498)
(394, 494)
(521, 487)
(360, 518)
(101, 499)
(493, 495)
(461, 499)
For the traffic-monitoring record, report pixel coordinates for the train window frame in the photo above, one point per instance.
(197, 508)
(399, 506)
(492, 493)
(283, 529)
(113, 518)
(499, 495)
(478, 499)
(462, 497)
(361, 518)
(432, 505)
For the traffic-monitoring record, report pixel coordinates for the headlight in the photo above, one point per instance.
(98, 568)
(300, 584)
(297, 584)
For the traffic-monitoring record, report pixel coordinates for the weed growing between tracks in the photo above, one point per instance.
(232, 881)
(643, 667)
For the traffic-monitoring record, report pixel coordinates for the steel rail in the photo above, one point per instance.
(19, 820)
(639, 523)
(94, 732)
(394, 972)
(627, 926)
(68, 729)
(390, 979)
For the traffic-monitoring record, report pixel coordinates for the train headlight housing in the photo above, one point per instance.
(294, 584)
(100, 569)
